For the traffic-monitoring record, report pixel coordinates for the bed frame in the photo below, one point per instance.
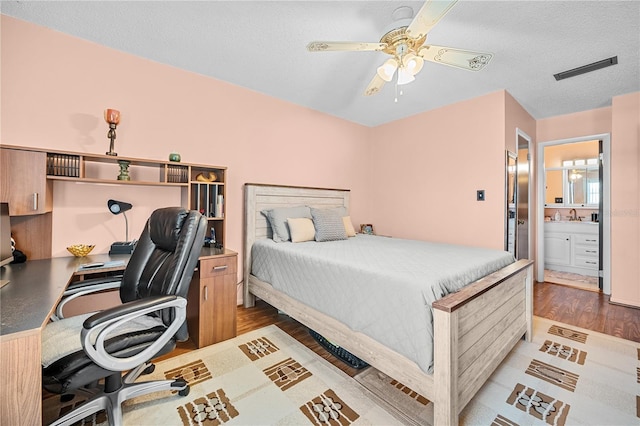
(474, 329)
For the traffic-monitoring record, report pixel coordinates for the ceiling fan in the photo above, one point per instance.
(406, 45)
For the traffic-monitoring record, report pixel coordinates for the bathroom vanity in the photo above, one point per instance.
(571, 246)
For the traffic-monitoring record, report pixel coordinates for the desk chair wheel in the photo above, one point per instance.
(180, 383)
(150, 369)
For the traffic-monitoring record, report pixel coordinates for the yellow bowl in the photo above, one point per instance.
(80, 250)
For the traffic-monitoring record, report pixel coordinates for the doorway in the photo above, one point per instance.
(574, 230)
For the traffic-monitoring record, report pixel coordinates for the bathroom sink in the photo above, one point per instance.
(572, 221)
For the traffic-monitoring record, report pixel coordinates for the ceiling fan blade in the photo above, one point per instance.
(465, 59)
(327, 46)
(374, 86)
(428, 16)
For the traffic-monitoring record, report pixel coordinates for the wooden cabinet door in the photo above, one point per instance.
(207, 314)
(225, 302)
(557, 248)
(212, 304)
(24, 182)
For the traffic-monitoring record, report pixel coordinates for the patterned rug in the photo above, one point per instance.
(567, 376)
(263, 377)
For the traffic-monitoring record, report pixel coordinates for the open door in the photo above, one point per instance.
(511, 198)
(522, 177)
(517, 218)
(600, 222)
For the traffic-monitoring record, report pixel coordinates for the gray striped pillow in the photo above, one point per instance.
(329, 225)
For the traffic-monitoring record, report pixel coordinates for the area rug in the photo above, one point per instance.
(566, 376)
(264, 377)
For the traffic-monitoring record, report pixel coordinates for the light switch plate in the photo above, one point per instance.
(480, 196)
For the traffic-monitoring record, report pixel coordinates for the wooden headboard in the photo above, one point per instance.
(258, 197)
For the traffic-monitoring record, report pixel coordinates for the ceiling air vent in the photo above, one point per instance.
(587, 68)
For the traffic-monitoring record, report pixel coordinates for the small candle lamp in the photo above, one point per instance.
(112, 116)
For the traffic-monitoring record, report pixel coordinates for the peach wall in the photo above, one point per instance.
(591, 122)
(424, 186)
(554, 155)
(55, 87)
(426, 170)
(625, 200)
(516, 117)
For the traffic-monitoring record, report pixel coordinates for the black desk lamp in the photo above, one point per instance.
(121, 247)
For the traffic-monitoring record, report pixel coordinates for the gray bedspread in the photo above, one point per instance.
(382, 287)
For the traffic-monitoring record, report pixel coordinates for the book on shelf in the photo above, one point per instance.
(63, 165)
(176, 174)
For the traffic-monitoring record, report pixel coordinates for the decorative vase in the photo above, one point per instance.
(174, 156)
(124, 170)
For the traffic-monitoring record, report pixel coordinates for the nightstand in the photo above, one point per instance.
(212, 298)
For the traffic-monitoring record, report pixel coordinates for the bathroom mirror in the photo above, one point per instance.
(575, 186)
(571, 175)
(582, 187)
(593, 187)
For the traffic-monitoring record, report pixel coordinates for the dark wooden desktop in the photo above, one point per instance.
(26, 304)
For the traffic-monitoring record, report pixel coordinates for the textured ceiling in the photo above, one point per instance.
(261, 45)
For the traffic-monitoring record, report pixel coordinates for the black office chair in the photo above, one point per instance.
(78, 352)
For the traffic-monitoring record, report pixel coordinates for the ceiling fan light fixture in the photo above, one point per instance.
(404, 41)
(386, 70)
(404, 76)
(413, 63)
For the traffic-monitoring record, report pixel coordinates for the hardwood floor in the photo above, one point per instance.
(582, 308)
(586, 309)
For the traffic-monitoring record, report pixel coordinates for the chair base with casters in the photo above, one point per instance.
(116, 390)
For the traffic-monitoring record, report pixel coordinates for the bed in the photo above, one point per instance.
(473, 328)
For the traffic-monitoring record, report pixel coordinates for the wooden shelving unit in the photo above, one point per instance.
(203, 187)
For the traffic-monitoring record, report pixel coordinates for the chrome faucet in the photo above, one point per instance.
(573, 216)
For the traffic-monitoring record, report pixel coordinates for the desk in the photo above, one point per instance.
(26, 304)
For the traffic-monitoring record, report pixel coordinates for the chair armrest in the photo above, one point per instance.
(97, 327)
(82, 288)
(119, 311)
(83, 285)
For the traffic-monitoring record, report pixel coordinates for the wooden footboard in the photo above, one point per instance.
(474, 329)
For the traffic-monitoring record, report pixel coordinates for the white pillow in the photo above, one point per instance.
(301, 229)
(348, 226)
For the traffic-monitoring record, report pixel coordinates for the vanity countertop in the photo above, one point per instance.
(573, 222)
(572, 226)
